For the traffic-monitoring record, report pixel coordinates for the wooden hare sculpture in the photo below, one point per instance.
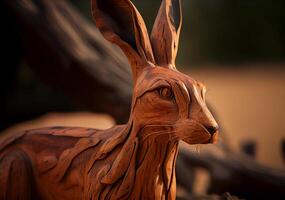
(132, 161)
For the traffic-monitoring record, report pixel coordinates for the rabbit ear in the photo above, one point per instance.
(166, 31)
(121, 23)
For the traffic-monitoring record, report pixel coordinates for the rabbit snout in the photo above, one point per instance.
(193, 132)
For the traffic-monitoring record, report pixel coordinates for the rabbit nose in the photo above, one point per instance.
(212, 129)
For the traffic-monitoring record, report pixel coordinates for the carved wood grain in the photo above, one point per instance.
(132, 161)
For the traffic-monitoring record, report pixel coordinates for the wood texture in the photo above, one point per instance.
(132, 161)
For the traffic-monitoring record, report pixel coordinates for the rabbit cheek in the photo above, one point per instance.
(150, 109)
(192, 132)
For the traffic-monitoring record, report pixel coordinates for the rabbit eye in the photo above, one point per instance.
(166, 93)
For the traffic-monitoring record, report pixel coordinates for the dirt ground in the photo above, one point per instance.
(249, 104)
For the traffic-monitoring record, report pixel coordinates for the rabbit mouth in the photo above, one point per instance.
(212, 135)
(193, 132)
(214, 138)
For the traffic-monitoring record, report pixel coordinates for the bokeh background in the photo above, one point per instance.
(221, 31)
(236, 47)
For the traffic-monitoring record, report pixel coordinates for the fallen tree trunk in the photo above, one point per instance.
(235, 173)
(67, 52)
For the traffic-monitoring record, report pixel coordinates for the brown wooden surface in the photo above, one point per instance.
(132, 161)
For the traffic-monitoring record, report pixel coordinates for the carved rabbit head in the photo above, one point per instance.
(163, 97)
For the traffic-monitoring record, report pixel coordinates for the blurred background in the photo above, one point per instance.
(56, 69)
(221, 31)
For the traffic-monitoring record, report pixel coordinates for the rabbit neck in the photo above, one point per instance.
(144, 167)
(155, 168)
